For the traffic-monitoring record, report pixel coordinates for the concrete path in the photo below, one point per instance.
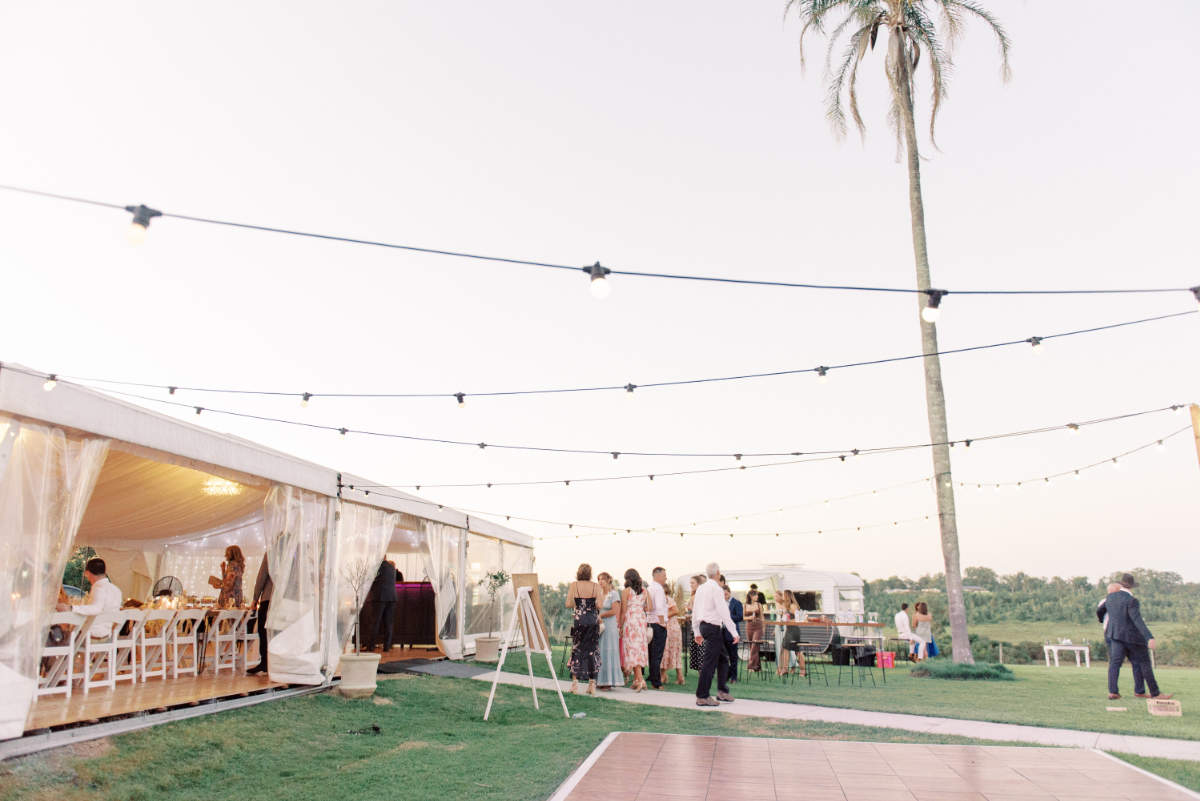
(983, 730)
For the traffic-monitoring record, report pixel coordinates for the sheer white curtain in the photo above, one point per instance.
(297, 525)
(441, 564)
(362, 539)
(46, 480)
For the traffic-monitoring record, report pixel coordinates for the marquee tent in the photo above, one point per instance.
(158, 496)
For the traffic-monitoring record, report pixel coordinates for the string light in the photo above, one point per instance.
(51, 382)
(462, 399)
(142, 215)
(822, 374)
(1073, 428)
(599, 281)
(1036, 342)
(629, 388)
(686, 382)
(552, 266)
(304, 400)
(932, 310)
(1196, 293)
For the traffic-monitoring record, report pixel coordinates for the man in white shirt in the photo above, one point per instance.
(104, 596)
(657, 617)
(904, 628)
(710, 615)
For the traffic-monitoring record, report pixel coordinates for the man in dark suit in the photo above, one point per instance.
(1139, 681)
(735, 614)
(383, 590)
(263, 587)
(1130, 637)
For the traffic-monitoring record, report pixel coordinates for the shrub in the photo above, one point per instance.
(945, 669)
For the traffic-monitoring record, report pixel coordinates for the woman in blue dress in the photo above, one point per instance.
(610, 639)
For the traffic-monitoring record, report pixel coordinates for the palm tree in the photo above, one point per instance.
(911, 33)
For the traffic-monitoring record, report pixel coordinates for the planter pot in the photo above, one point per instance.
(358, 675)
(487, 649)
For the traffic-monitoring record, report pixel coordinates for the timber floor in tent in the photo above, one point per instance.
(399, 654)
(128, 699)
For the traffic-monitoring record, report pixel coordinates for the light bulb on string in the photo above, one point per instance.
(599, 281)
(1116, 465)
(461, 397)
(304, 400)
(142, 215)
(1074, 428)
(1036, 343)
(1160, 446)
(823, 374)
(932, 310)
(1078, 475)
(629, 388)
(51, 382)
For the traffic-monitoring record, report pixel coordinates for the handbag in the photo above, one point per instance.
(933, 649)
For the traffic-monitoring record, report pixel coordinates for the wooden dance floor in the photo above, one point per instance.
(403, 654)
(633, 767)
(128, 698)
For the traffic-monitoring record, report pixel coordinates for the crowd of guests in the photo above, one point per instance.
(633, 634)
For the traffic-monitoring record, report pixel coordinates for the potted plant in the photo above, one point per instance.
(358, 669)
(487, 649)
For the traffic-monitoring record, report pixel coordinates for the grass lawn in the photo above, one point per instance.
(1052, 631)
(1185, 773)
(1065, 697)
(432, 743)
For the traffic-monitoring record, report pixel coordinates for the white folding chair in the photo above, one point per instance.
(125, 645)
(185, 637)
(153, 640)
(62, 654)
(100, 651)
(248, 638)
(225, 633)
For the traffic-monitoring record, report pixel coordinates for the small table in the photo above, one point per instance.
(1077, 649)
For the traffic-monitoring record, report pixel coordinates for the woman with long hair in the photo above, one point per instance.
(695, 652)
(583, 598)
(610, 636)
(753, 611)
(791, 639)
(635, 650)
(673, 653)
(230, 583)
(923, 629)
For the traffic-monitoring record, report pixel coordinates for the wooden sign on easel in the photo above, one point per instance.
(528, 621)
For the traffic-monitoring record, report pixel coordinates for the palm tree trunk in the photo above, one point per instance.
(935, 397)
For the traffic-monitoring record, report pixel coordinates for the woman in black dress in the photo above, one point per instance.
(583, 598)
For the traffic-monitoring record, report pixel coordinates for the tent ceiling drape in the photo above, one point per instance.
(139, 499)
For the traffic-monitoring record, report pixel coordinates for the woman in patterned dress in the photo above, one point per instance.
(230, 583)
(583, 596)
(673, 655)
(610, 638)
(695, 652)
(635, 651)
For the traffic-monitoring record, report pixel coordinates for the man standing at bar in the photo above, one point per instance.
(735, 614)
(710, 618)
(263, 587)
(383, 589)
(657, 616)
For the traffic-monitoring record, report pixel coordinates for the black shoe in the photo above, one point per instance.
(254, 671)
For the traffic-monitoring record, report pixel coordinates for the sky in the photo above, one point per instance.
(663, 137)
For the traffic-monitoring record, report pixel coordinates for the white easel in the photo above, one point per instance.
(532, 628)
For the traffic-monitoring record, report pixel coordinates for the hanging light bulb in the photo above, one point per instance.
(462, 399)
(1196, 292)
(932, 310)
(51, 382)
(1073, 428)
(1160, 446)
(304, 400)
(822, 374)
(629, 388)
(142, 215)
(1116, 465)
(599, 285)
(1078, 475)
(1036, 342)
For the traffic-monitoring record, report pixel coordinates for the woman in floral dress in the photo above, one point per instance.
(583, 597)
(673, 655)
(635, 650)
(230, 583)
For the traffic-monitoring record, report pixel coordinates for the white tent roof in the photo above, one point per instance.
(186, 454)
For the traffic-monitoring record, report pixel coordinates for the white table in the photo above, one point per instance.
(1077, 649)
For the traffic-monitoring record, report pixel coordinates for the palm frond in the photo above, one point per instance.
(846, 72)
(1002, 39)
(921, 30)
